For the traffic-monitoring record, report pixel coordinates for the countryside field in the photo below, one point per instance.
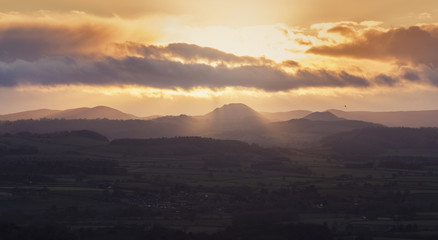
(205, 186)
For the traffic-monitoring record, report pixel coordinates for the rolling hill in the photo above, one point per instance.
(427, 118)
(284, 116)
(231, 121)
(304, 131)
(323, 116)
(237, 115)
(33, 114)
(99, 112)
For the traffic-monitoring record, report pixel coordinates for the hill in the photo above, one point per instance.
(323, 116)
(234, 113)
(393, 119)
(299, 131)
(284, 116)
(231, 121)
(92, 113)
(33, 114)
(98, 112)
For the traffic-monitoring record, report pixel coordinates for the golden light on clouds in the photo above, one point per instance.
(270, 54)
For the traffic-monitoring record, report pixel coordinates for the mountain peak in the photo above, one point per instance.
(323, 116)
(233, 109)
(236, 106)
(234, 112)
(93, 113)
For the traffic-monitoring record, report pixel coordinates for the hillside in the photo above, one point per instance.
(237, 115)
(322, 116)
(99, 112)
(393, 119)
(231, 121)
(284, 116)
(33, 114)
(234, 113)
(298, 131)
(234, 121)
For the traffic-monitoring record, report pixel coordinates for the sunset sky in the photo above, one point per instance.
(173, 57)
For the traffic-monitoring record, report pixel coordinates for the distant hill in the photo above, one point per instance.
(284, 116)
(234, 121)
(234, 112)
(231, 121)
(98, 112)
(306, 130)
(33, 114)
(93, 113)
(238, 115)
(323, 116)
(427, 118)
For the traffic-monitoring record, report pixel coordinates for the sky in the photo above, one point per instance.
(172, 57)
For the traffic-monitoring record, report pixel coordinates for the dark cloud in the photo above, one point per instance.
(432, 29)
(430, 74)
(342, 30)
(413, 44)
(290, 64)
(410, 75)
(192, 53)
(165, 74)
(31, 42)
(383, 79)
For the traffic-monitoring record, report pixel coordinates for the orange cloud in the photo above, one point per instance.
(342, 30)
(414, 44)
(93, 51)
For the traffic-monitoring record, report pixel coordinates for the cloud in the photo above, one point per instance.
(191, 53)
(342, 30)
(410, 75)
(424, 16)
(48, 34)
(165, 74)
(31, 42)
(413, 44)
(290, 64)
(384, 79)
(94, 51)
(431, 74)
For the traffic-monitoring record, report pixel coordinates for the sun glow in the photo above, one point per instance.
(270, 41)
